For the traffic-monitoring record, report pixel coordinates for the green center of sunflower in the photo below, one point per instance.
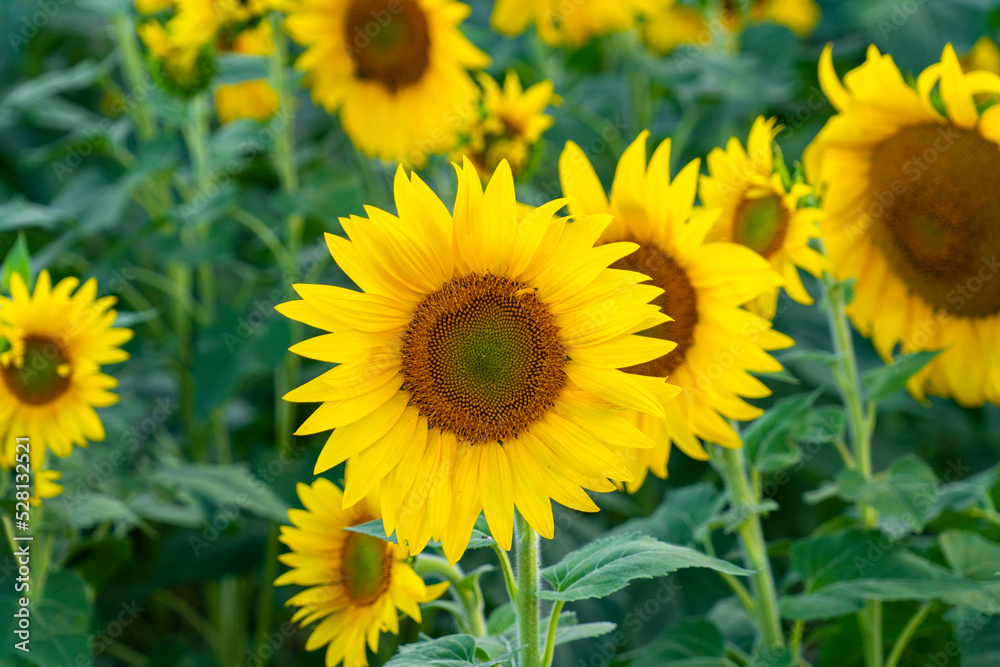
(761, 224)
(37, 381)
(481, 358)
(388, 40)
(679, 301)
(365, 567)
(935, 194)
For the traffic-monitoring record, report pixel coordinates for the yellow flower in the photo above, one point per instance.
(760, 213)
(479, 365)
(248, 99)
(703, 286)
(356, 584)
(984, 56)
(512, 123)
(50, 377)
(153, 6)
(910, 183)
(566, 22)
(670, 25)
(182, 70)
(197, 23)
(395, 70)
(46, 486)
(801, 16)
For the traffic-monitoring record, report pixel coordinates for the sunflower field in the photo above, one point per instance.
(500, 333)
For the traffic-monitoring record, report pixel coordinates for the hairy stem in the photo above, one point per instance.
(528, 556)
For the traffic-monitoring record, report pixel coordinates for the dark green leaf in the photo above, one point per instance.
(681, 517)
(688, 643)
(18, 261)
(229, 486)
(904, 495)
(970, 554)
(885, 381)
(771, 440)
(607, 565)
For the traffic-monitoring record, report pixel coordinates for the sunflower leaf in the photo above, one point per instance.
(600, 568)
(449, 651)
(18, 261)
(883, 382)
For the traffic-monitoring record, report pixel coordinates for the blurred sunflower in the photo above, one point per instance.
(153, 6)
(248, 99)
(669, 24)
(357, 584)
(703, 283)
(910, 182)
(760, 213)
(181, 70)
(479, 365)
(513, 121)
(198, 22)
(46, 486)
(50, 378)
(566, 24)
(394, 69)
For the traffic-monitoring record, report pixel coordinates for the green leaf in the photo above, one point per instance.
(449, 651)
(681, 517)
(60, 621)
(807, 356)
(375, 528)
(239, 67)
(18, 260)
(226, 486)
(771, 657)
(98, 508)
(970, 554)
(904, 495)
(691, 642)
(965, 493)
(771, 440)
(885, 381)
(19, 213)
(604, 566)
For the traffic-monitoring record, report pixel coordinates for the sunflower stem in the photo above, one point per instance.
(465, 590)
(732, 465)
(550, 638)
(860, 428)
(528, 557)
(508, 573)
(907, 634)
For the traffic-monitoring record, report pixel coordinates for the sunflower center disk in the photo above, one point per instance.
(37, 381)
(482, 358)
(365, 567)
(761, 224)
(935, 193)
(388, 40)
(678, 301)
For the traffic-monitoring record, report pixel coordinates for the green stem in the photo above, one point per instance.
(849, 383)
(741, 591)
(528, 556)
(907, 634)
(550, 637)
(135, 74)
(466, 591)
(733, 467)
(508, 572)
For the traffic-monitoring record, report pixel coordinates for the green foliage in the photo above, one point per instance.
(884, 382)
(18, 261)
(607, 565)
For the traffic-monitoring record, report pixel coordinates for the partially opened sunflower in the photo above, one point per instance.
(758, 211)
(356, 584)
(703, 286)
(910, 181)
(479, 365)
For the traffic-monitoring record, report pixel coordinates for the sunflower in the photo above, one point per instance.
(478, 368)
(248, 99)
(357, 584)
(669, 24)
(394, 69)
(50, 378)
(703, 283)
(984, 55)
(512, 123)
(562, 23)
(197, 23)
(909, 183)
(181, 70)
(46, 486)
(758, 211)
